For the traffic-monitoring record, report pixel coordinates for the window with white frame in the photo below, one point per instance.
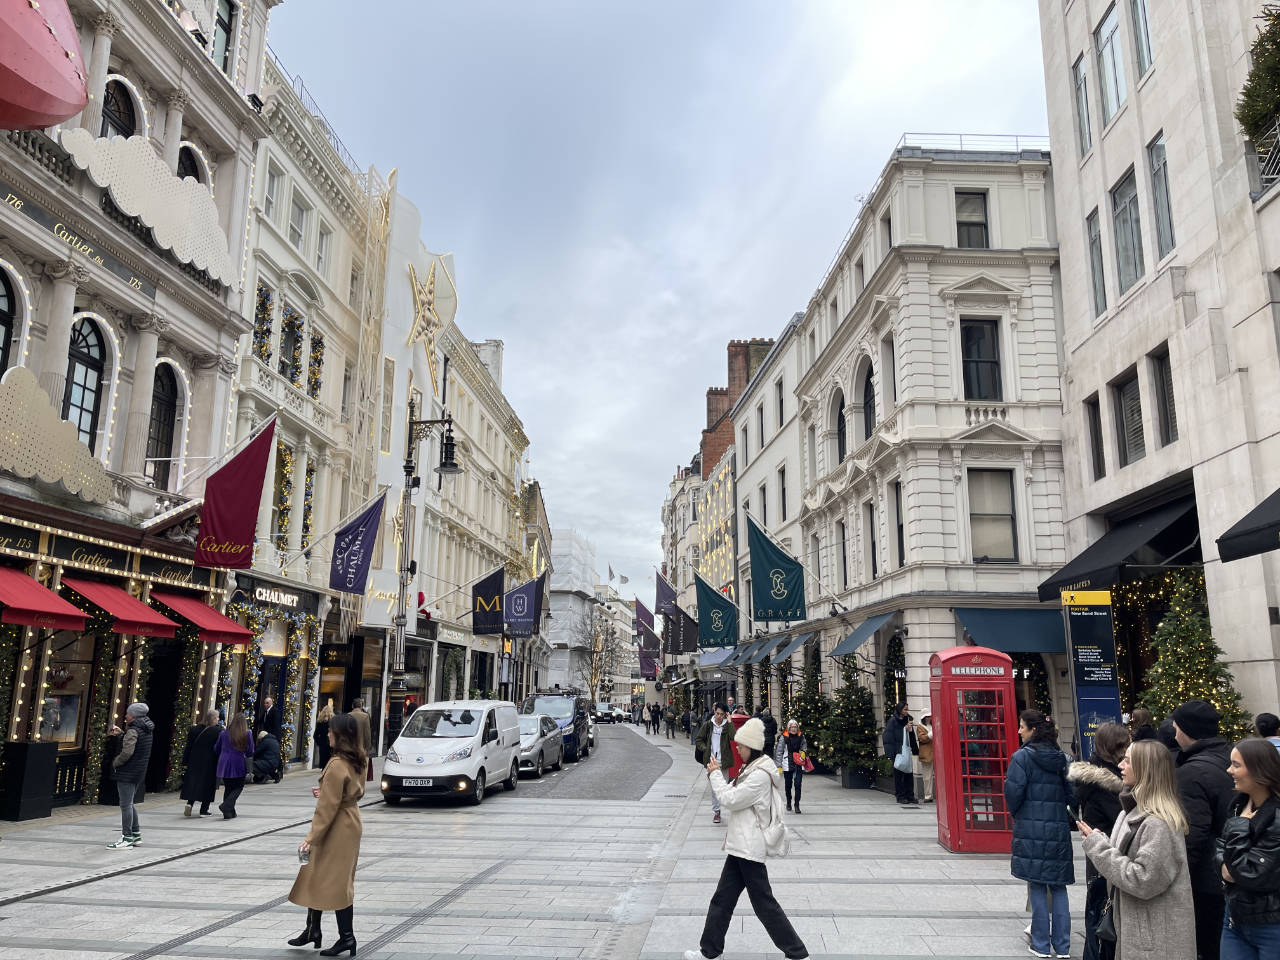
(764, 505)
(1160, 195)
(869, 536)
(1127, 398)
(299, 213)
(886, 232)
(271, 192)
(746, 437)
(1127, 224)
(900, 527)
(1080, 78)
(224, 33)
(356, 288)
(760, 425)
(1106, 40)
(844, 554)
(1141, 35)
(1093, 421)
(780, 396)
(980, 352)
(991, 516)
(971, 220)
(889, 371)
(388, 399)
(859, 278)
(1096, 274)
(324, 242)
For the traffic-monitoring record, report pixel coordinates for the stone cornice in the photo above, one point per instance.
(464, 359)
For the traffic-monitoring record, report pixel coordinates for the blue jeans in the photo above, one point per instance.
(1249, 941)
(1050, 918)
(128, 812)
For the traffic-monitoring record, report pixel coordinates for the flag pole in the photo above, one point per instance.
(463, 586)
(759, 526)
(341, 523)
(234, 449)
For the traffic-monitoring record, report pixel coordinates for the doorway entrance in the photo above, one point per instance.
(165, 656)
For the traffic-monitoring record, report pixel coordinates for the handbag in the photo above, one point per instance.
(369, 772)
(777, 837)
(1106, 929)
(902, 762)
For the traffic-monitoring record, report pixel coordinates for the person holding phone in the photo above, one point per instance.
(1145, 860)
(1098, 784)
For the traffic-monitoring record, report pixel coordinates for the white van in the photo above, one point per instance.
(454, 747)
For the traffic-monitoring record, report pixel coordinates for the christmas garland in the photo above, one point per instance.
(316, 364)
(262, 323)
(284, 496)
(1040, 696)
(105, 652)
(256, 621)
(192, 650)
(299, 628)
(308, 504)
(783, 671)
(291, 323)
(308, 693)
(748, 688)
(895, 659)
(10, 644)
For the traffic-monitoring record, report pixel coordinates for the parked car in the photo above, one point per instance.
(454, 747)
(572, 716)
(540, 741)
(620, 715)
(603, 713)
(591, 732)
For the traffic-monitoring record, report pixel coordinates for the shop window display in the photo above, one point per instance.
(64, 714)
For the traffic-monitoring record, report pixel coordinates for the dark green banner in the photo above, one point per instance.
(777, 579)
(717, 617)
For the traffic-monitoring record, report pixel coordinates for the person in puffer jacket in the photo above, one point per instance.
(1097, 784)
(752, 801)
(1248, 854)
(129, 768)
(1037, 792)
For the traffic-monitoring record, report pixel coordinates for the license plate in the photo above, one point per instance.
(417, 782)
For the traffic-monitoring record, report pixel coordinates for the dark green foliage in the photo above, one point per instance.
(1259, 103)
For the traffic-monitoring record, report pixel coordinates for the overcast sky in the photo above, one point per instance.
(628, 185)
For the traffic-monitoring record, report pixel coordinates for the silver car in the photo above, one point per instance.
(541, 744)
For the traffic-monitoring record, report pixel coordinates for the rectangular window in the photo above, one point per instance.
(1080, 74)
(224, 32)
(781, 408)
(760, 425)
(813, 454)
(833, 317)
(991, 520)
(346, 390)
(745, 437)
(764, 505)
(1106, 40)
(1095, 264)
(388, 397)
(1093, 418)
(897, 519)
(782, 494)
(844, 554)
(1128, 229)
(298, 213)
(813, 347)
(269, 195)
(746, 512)
(889, 367)
(324, 240)
(971, 221)
(1141, 35)
(886, 233)
(1162, 373)
(356, 289)
(1160, 195)
(1128, 403)
(980, 349)
(859, 278)
(873, 561)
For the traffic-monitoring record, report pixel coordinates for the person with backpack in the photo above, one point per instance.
(129, 769)
(669, 717)
(753, 802)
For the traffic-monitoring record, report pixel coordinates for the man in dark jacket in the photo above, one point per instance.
(270, 719)
(900, 725)
(770, 730)
(266, 758)
(129, 768)
(1206, 790)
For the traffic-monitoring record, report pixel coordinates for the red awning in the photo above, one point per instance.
(132, 615)
(28, 603)
(214, 627)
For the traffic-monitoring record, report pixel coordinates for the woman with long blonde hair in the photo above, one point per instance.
(1145, 861)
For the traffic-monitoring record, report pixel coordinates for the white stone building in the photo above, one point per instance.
(1170, 247)
(681, 550)
(572, 602)
(929, 419)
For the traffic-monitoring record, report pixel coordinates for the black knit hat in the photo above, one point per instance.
(1197, 719)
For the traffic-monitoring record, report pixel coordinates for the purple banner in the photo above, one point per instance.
(353, 550)
(666, 604)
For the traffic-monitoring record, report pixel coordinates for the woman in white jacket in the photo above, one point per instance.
(751, 803)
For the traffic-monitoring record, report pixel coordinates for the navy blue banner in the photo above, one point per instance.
(353, 550)
(486, 603)
(666, 598)
(777, 579)
(520, 609)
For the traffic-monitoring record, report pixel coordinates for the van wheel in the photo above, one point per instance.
(477, 794)
(537, 768)
(511, 781)
(391, 801)
(573, 756)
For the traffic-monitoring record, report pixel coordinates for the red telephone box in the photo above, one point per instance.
(975, 731)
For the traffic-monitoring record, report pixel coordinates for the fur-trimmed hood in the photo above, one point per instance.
(1096, 774)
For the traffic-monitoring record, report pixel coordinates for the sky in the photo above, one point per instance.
(628, 186)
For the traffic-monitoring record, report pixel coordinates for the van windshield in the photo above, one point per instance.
(560, 708)
(442, 724)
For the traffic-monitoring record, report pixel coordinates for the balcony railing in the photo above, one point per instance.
(322, 122)
(1267, 150)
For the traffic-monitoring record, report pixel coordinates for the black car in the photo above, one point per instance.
(570, 714)
(603, 712)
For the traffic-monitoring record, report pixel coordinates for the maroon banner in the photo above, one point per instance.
(230, 512)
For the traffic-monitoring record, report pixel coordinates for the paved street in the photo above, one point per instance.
(562, 868)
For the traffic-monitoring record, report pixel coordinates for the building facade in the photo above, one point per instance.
(1170, 246)
(929, 418)
(572, 602)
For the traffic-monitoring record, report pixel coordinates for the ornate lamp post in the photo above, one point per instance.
(415, 432)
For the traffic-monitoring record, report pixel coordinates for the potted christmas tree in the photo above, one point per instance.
(813, 710)
(850, 735)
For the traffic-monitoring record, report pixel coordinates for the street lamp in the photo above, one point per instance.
(415, 432)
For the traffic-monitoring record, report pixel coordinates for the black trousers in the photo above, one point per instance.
(793, 779)
(231, 789)
(1209, 908)
(904, 786)
(739, 875)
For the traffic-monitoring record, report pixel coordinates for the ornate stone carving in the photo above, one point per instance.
(178, 99)
(149, 323)
(106, 25)
(204, 361)
(77, 273)
(227, 365)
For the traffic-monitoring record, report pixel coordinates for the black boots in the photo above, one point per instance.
(346, 939)
(311, 934)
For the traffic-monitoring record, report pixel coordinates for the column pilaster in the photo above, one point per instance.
(67, 278)
(104, 30)
(178, 100)
(149, 329)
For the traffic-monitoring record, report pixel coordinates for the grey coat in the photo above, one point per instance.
(1154, 915)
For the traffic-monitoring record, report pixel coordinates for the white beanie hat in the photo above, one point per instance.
(751, 734)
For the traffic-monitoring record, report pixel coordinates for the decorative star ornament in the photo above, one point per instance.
(425, 319)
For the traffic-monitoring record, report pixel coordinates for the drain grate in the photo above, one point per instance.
(675, 796)
(186, 938)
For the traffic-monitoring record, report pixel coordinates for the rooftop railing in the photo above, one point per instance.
(309, 104)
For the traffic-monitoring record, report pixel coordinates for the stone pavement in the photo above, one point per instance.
(524, 875)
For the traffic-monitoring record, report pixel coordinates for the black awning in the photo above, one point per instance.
(1015, 631)
(1257, 532)
(1098, 566)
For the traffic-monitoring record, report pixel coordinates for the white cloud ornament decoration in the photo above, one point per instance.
(180, 212)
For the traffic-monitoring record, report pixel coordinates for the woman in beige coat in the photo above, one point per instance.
(327, 881)
(1145, 860)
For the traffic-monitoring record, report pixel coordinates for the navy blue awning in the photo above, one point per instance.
(1015, 631)
(715, 656)
(740, 653)
(860, 635)
(767, 647)
(786, 652)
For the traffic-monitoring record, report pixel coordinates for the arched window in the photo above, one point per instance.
(164, 415)
(842, 432)
(868, 405)
(82, 398)
(118, 116)
(8, 319)
(188, 165)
